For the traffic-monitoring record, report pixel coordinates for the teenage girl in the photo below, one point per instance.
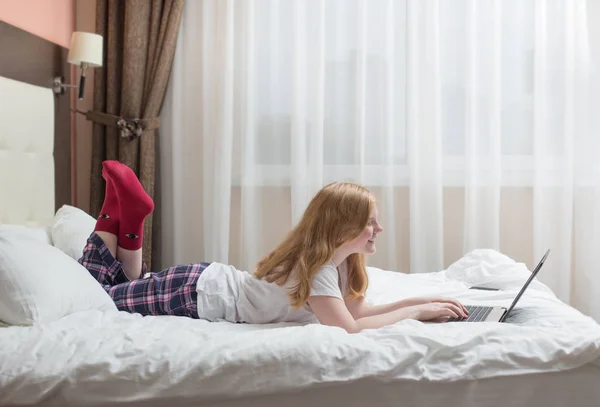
(315, 275)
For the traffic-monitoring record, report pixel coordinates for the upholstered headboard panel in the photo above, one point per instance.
(26, 153)
(35, 136)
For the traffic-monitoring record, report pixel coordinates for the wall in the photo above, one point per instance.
(85, 20)
(53, 20)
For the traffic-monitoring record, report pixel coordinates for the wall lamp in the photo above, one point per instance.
(85, 51)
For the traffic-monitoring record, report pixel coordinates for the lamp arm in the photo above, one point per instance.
(58, 87)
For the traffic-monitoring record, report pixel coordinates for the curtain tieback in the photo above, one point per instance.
(129, 129)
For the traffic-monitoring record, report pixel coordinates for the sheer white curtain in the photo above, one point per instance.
(469, 120)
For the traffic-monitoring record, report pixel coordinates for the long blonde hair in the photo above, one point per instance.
(337, 214)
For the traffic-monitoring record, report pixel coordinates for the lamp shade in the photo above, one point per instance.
(85, 48)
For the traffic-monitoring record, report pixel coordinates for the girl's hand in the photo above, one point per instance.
(440, 300)
(437, 311)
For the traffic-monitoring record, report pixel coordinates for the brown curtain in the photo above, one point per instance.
(139, 45)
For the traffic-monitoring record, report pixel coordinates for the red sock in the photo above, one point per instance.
(108, 219)
(134, 204)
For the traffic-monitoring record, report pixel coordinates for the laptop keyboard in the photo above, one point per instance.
(476, 314)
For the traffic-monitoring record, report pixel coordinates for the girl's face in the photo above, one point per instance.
(365, 243)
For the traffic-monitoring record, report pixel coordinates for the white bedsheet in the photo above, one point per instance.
(95, 358)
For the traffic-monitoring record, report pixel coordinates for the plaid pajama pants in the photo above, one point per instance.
(169, 292)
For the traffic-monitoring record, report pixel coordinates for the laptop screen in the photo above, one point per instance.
(533, 274)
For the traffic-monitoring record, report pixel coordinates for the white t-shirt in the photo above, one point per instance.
(225, 293)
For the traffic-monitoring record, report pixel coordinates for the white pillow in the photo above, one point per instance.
(42, 234)
(39, 283)
(70, 230)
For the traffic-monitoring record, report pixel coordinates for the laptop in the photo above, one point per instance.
(497, 314)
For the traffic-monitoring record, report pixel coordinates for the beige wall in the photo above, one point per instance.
(85, 20)
(52, 20)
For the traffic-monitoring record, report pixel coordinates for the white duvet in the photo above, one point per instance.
(92, 357)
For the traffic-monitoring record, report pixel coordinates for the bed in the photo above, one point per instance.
(87, 353)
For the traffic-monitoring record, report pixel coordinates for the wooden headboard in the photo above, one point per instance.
(28, 58)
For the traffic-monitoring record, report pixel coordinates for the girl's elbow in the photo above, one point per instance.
(353, 328)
